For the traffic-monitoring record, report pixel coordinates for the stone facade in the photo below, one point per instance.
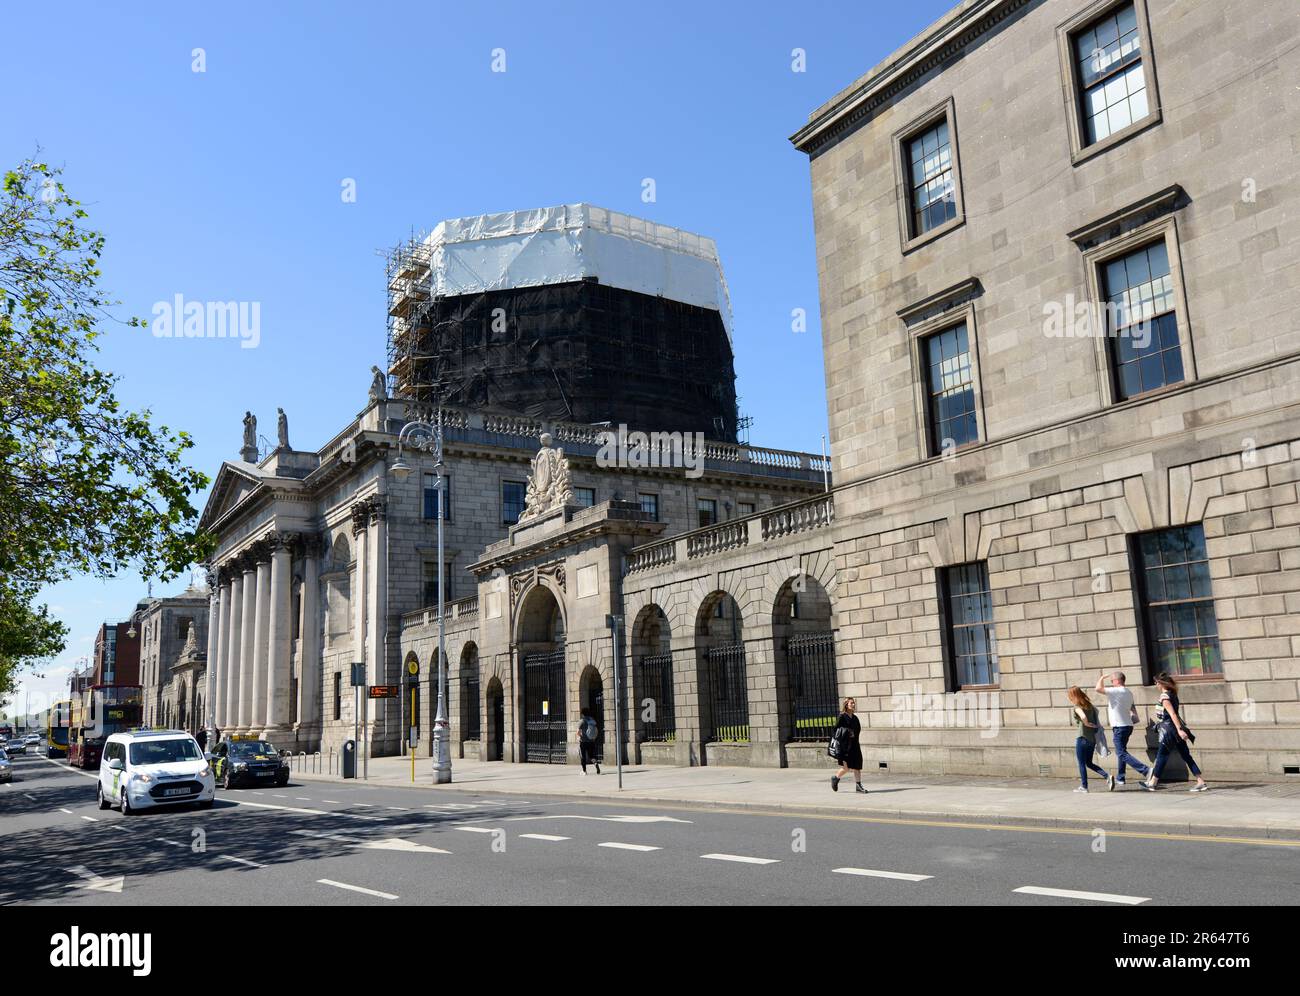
(1064, 475)
(326, 558)
(173, 681)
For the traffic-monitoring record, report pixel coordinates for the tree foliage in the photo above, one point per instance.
(86, 486)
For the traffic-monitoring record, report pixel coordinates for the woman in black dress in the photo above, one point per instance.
(851, 754)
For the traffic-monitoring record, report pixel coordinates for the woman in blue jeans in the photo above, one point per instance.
(1174, 736)
(1084, 714)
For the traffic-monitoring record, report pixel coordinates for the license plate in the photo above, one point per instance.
(179, 791)
(266, 774)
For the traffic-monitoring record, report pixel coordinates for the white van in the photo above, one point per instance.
(150, 768)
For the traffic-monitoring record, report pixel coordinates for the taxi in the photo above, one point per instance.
(144, 769)
(242, 761)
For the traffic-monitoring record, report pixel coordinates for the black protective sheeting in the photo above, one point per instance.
(580, 352)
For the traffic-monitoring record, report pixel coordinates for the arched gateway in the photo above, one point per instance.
(540, 646)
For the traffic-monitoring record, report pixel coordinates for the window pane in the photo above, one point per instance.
(933, 192)
(1178, 609)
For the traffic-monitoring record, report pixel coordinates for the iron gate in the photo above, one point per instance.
(655, 682)
(814, 694)
(545, 736)
(728, 694)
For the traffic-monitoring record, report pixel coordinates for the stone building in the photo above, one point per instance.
(328, 558)
(172, 634)
(1063, 371)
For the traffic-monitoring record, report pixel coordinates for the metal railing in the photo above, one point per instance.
(654, 683)
(814, 690)
(729, 695)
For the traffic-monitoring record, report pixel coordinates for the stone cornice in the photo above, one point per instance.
(943, 41)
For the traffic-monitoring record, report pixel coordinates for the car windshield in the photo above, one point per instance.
(164, 751)
(3, 756)
(245, 748)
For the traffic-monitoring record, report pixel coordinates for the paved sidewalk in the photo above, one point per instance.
(1228, 809)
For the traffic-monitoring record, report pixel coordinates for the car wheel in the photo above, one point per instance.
(225, 781)
(124, 805)
(99, 796)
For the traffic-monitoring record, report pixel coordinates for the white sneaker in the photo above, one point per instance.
(1081, 789)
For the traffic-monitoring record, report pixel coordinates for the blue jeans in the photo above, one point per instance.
(1121, 735)
(1083, 750)
(1170, 741)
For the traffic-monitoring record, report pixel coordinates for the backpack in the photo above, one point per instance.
(590, 731)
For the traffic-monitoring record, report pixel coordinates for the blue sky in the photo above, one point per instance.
(226, 184)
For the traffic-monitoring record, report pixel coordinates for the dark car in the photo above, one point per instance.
(237, 763)
(16, 746)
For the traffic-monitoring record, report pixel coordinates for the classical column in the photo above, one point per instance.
(261, 639)
(280, 606)
(360, 532)
(220, 625)
(310, 704)
(207, 720)
(247, 644)
(377, 612)
(234, 650)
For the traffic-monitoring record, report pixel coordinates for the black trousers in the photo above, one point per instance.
(587, 749)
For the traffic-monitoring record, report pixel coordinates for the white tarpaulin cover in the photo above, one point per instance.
(569, 242)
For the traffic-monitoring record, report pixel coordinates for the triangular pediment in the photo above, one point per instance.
(235, 481)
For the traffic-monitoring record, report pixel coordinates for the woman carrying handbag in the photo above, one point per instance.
(845, 748)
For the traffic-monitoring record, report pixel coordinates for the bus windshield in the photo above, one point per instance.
(164, 751)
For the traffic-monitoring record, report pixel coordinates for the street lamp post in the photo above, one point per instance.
(421, 435)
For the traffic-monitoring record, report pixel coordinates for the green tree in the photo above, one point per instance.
(86, 486)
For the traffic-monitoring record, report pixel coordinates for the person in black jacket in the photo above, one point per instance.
(850, 757)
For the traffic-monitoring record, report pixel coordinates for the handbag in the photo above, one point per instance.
(837, 748)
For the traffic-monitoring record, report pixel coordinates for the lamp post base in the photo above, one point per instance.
(442, 756)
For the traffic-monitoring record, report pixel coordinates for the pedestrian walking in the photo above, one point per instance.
(588, 732)
(1084, 714)
(1174, 735)
(202, 739)
(1123, 716)
(845, 746)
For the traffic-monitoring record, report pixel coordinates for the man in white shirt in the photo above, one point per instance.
(1123, 715)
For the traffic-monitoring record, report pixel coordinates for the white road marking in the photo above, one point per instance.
(173, 843)
(367, 805)
(92, 881)
(629, 847)
(68, 811)
(90, 819)
(1098, 897)
(397, 844)
(332, 802)
(400, 809)
(75, 771)
(30, 796)
(479, 829)
(356, 888)
(452, 805)
(242, 861)
(326, 836)
(543, 836)
(874, 873)
(287, 809)
(277, 795)
(299, 798)
(743, 859)
(601, 819)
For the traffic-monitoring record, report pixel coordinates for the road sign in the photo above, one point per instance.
(383, 691)
(358, 675)
(412, 667)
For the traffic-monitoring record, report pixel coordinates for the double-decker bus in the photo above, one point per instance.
(103, 711)
(56, 742)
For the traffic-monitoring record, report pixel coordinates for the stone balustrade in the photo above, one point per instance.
(814, 513)
(647, 558)
(715, 539)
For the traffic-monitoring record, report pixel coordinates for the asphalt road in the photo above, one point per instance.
(348, 844)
